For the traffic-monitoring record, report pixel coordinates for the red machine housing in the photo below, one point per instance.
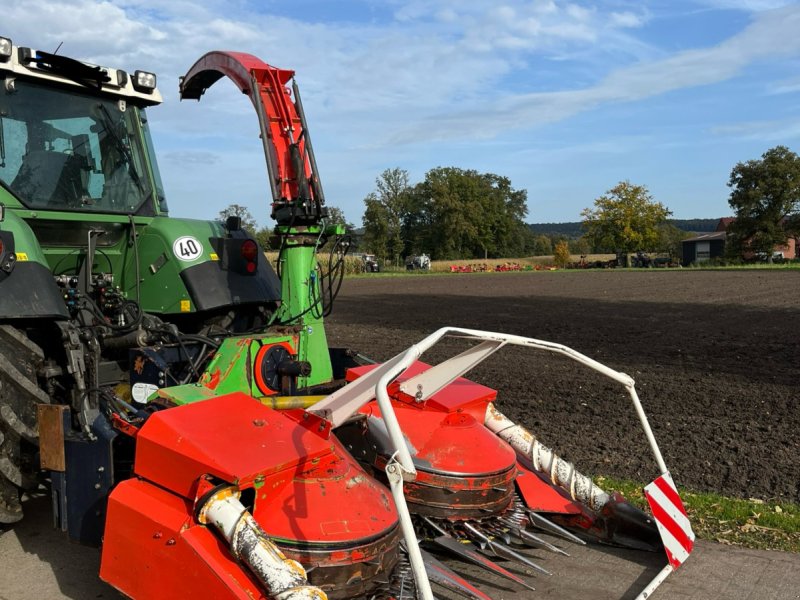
(296, 479)
(464, 471)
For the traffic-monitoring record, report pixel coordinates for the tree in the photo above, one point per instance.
(261, 234)
(765, 197)
(625, 218)
(580, 246)
(456, 213)
(376, 227)
(561, 254)
(542, 246)
(670, 239)
(237, 210)
(383, 218)
(336, 216)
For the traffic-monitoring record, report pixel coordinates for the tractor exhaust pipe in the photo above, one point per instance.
(282, 578)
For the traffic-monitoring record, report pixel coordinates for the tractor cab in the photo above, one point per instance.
(74, 136)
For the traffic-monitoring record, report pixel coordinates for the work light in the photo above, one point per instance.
(5, 49)
(144, 81)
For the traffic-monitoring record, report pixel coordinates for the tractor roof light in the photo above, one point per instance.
(6, 48)
(144, 81)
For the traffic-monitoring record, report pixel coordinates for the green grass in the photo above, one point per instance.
(752, 523)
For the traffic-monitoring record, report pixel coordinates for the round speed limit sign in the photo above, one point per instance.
(187, 248)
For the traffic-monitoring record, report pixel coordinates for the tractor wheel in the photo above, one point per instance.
(20, 360)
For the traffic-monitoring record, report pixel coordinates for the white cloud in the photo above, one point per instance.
(770, 36)
(767, 131)
(437, 70)
(746, 5)
(192, 157)
(627, 19)
(787, 86)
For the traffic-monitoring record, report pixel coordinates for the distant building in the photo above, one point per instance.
(703, 247)
(706, 246)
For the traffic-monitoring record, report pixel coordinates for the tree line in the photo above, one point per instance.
(455, 213)
(463, 214)
(574, 229)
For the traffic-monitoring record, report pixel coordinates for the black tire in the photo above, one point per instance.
(20, 360)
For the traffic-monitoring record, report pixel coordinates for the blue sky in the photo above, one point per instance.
(566, 99)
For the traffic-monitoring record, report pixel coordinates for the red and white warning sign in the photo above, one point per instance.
(670, 515)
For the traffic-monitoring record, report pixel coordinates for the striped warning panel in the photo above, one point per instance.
(670, 515)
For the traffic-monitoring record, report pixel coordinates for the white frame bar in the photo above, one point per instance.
(346, 401)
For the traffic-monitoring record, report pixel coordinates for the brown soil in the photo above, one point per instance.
(715, 356)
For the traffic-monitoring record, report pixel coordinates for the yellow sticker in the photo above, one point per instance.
(22, 256)
(214, 256)
(186, 306)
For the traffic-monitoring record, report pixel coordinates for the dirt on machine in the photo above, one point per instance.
(176, 394)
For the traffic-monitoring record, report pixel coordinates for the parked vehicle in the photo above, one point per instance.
(419, 262)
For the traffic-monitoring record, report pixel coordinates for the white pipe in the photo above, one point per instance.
(343, 403)
(657, 581)
(283, 578)
(394, 471)
(647, 431)
(402, 455)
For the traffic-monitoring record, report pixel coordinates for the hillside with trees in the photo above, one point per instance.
(573, 229)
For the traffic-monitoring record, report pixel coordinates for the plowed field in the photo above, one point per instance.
(715, 354)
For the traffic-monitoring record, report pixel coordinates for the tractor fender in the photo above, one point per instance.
(27, 287)
(183, 269)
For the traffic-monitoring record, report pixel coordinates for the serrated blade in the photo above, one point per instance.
(441, 575)
(466, 551)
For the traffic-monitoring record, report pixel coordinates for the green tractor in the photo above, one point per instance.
(106, 301)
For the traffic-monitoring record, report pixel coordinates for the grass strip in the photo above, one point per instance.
(750, 523)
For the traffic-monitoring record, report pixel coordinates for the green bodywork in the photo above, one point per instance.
(234, 365)
(302, 304)
(59, 240)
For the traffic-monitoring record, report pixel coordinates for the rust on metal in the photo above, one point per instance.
(51, 418)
